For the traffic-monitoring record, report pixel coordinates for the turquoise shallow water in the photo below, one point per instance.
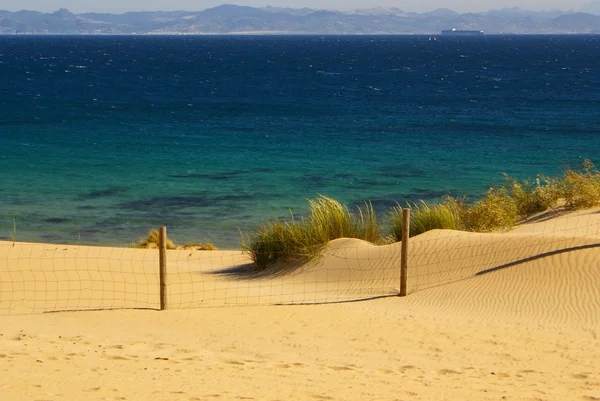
(102, 138)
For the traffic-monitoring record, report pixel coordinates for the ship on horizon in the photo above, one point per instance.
(455, 31)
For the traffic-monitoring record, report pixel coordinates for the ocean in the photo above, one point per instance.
(105, 137)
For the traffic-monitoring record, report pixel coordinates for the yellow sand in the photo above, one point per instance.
(527, 329)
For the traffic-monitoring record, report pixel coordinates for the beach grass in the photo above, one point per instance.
(298, 240)
(502, 207)
(505, 204)
(534, 196)
(427, 216)
(581, 188)
(207, 246)
(153, 239)
(497, 210)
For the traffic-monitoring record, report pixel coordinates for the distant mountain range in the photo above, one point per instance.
(231, 19)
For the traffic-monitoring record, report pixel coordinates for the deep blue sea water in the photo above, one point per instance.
(102, 138)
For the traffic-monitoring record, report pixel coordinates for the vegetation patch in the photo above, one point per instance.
(581, 188)
(501, 207)
(427, 216)
(298, 240)
(152, 241)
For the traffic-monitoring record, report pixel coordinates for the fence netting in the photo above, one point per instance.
(440, 257)
(347, 270)
(37, 278)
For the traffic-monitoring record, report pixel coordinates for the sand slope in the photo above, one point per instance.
(513, 315)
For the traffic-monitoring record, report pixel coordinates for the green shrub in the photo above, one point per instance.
(496, 210)
(206, 246)
(278, 240)
(425, 217)
(533, 196)
(328, 219)
(153, 239)
(582, 187)
(302, 240)
(500, 208)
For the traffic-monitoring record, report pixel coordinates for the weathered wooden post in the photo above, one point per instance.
(162, 256)
(404, 251)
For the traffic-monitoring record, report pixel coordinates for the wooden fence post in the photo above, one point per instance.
(404, 252)
(162, 255)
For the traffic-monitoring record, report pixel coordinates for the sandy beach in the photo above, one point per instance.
(512, 316)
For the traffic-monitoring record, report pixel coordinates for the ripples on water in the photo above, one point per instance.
(104, 137)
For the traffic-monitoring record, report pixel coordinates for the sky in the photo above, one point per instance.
(121, 6)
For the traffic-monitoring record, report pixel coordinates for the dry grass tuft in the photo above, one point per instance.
(152, 241)
(296, 241)
(153, 238)
(495, 211)
(427, 216)
(198, 247)
(582, 187)
(499, 209)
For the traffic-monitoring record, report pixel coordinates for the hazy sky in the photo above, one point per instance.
(120, 6)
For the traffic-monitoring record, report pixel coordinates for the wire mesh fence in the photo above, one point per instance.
(36, 278)
(346, 271)
(440, 257)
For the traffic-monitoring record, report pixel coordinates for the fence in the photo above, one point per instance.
(36, 278)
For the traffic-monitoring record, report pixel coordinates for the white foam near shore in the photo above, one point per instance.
(513, 315)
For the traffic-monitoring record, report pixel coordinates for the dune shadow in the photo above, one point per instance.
(545, 216)
(536, 257)
(249, 271)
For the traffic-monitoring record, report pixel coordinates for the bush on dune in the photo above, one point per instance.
(532, 197)
(296, 241)
(576, 189)
(505, 205)
(496, 210)
(500, 208)
(279, 240)
(582, 187)
(328, 219)
(427, 216)
(153, 239)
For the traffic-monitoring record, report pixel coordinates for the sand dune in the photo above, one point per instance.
(489, 316)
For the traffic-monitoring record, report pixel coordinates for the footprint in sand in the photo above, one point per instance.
(448, 372)
(97, 389)
(116, 358)
(289, 365)
(231, 362)
(341, 368)
(405, 368)
(319, 397)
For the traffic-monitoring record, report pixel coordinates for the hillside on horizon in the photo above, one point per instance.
(232, 19)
